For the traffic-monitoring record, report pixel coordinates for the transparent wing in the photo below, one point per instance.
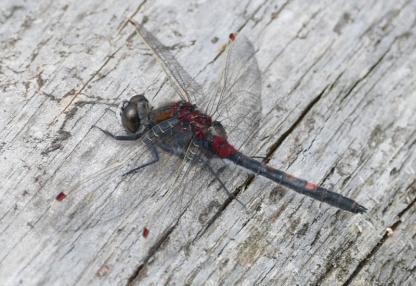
(179, 192)
(104, 194)
(236, 102)
(98, 196)
(96, 192)
(188, 198)
(185, 86)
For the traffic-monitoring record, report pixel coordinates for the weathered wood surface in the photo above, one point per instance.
(338, 107)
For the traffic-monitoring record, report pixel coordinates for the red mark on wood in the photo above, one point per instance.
(146, 232)
(61, 196)
(232, 36)
(311, 186)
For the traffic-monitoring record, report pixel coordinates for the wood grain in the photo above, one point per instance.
(338, 108)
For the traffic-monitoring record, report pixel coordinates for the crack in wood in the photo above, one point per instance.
(370, 70)
(316, 134)
(291, 128)
(329, 267)
(374, 250)
(138, 273)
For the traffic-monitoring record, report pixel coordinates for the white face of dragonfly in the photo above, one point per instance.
(135, 113)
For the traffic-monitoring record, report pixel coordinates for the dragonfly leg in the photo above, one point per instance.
(109, 109)
(230, 194)
(126, 137)
(155, 154)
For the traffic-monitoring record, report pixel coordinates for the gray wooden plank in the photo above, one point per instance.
(338, 107)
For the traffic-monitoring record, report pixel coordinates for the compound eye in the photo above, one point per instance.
(131, 113)
(130, 117)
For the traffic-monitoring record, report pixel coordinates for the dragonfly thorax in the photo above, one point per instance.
(210, 134)
(138, 116)
(188, 113)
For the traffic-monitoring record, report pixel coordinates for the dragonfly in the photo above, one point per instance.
(184, 129)
(180, 128)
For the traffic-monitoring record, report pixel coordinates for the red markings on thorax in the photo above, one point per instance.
(200, 124)
(222, 148)
(187, 112)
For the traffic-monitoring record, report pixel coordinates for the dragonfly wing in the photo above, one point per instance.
(97, 197)
(185, 86)
(236, 103)
(105, 196)
(186, 196)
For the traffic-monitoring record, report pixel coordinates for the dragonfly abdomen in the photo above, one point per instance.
(298, 185)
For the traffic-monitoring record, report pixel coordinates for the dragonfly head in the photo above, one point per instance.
(135, 113)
